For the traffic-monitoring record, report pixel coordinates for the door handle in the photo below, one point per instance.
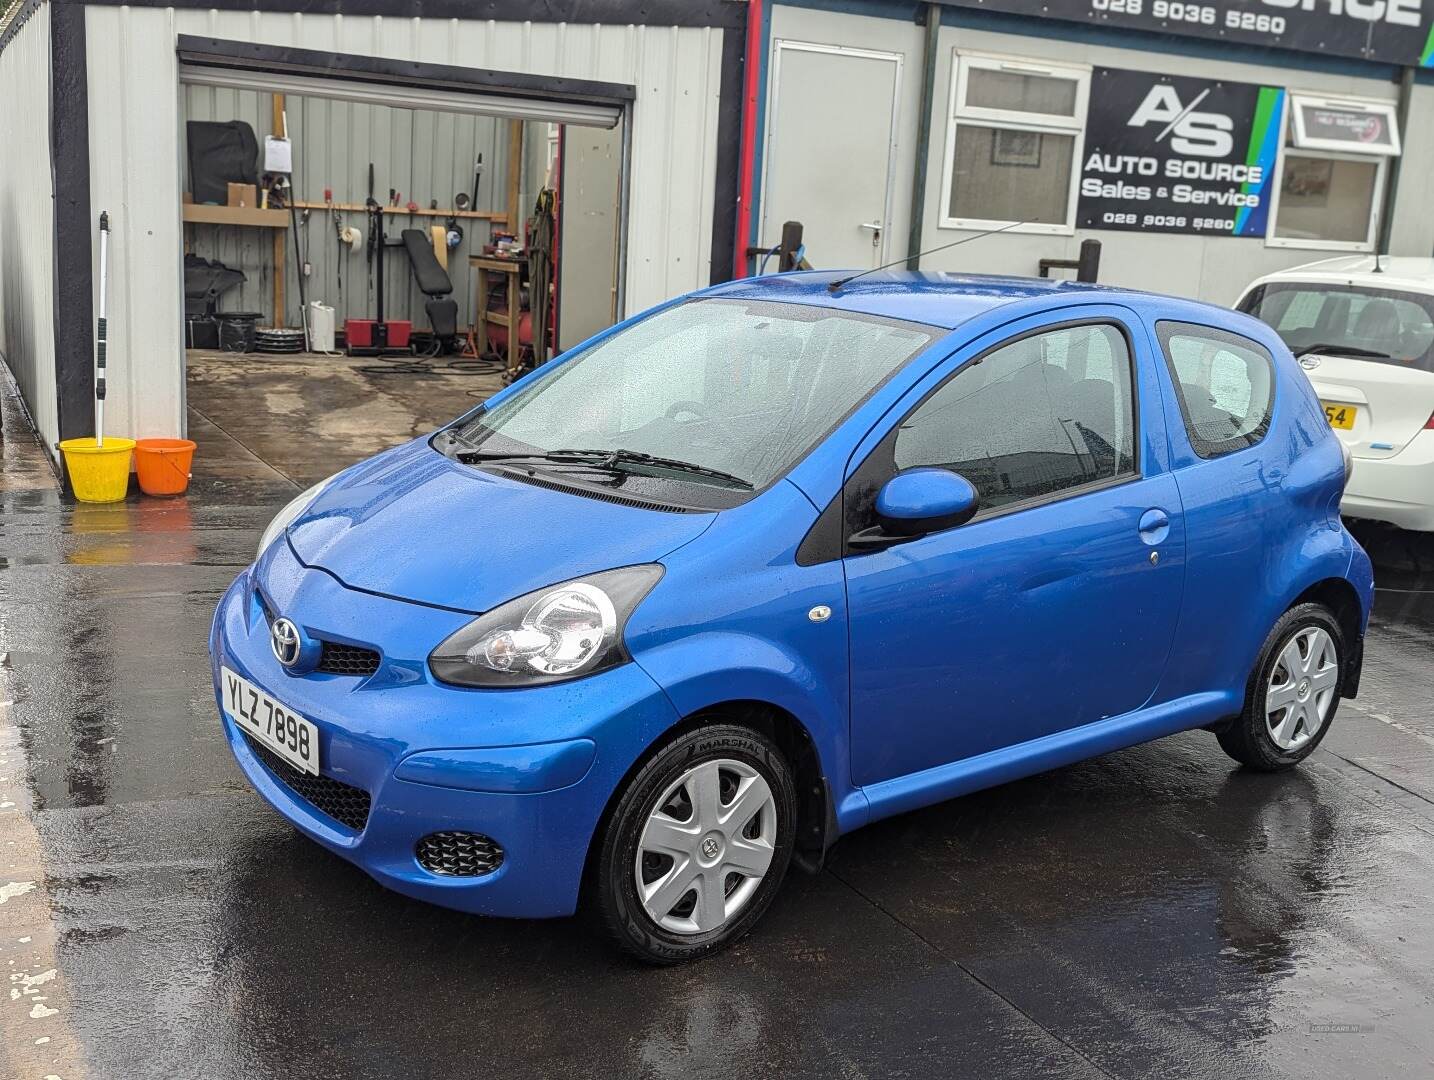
(1154, 525)
(875, 226)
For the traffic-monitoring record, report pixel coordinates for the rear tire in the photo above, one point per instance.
(1293, 692)
(697, 846)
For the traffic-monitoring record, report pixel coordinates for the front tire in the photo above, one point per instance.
(697, 845)
(1293, 692)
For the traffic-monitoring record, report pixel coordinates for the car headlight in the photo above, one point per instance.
(552, 634)
(285, 517)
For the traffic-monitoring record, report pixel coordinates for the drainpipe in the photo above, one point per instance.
(1391, 180)
(923, 137)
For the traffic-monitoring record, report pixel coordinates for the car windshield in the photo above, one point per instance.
(740, 388)
(1386, 326)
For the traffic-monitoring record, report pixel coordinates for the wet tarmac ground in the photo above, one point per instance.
(1154, 912)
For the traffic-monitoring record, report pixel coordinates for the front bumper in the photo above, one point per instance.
(1397, 489)
(533, 769)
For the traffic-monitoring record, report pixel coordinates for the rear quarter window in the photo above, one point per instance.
(1225, 384)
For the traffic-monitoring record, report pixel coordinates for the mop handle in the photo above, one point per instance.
(101, 333)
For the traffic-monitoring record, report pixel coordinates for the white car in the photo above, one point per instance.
(1365, 337)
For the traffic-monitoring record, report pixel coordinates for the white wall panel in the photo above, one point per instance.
(135, 135)
(27, 226)
(135, 175)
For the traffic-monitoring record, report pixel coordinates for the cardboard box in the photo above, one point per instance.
(243, 195)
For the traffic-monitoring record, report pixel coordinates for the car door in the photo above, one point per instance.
(1056, 605)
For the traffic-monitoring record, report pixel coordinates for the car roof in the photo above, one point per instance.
(1409, 272)
(939, 298)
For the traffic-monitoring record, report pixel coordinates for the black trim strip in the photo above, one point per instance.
(283, 60)
(720, 14)
(726, 189)
(70, 182)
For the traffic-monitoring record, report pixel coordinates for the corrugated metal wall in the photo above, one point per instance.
(424, 155)
(27, 265)
(136, 168)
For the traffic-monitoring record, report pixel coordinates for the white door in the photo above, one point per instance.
(587, 271)
(829, 152)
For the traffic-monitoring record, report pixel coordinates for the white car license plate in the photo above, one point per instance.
(283, 731)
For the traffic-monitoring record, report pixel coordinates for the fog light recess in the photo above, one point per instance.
(459, 854)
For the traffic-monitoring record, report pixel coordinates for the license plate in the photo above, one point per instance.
(1339, 416)
(283, 731)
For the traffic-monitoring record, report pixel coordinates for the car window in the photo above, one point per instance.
(1047, 413)
(744, 387)
(1225, 384)
(1387, 326)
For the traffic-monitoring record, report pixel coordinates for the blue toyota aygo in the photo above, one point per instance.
(776, 560)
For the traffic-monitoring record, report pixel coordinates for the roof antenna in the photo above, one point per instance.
(840, 282)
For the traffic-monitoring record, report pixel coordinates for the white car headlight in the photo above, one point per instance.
(285, 517)
(556, 633)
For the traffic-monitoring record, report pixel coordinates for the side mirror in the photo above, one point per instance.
(926, 500)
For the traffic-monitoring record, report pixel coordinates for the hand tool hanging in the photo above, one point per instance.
(338, 222)
(477, 180)
(102, 329)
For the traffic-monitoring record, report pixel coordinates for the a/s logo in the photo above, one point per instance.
(1202, 134)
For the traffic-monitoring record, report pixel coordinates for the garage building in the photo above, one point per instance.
(100, 101)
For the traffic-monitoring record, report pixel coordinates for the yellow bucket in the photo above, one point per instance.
(99, 474)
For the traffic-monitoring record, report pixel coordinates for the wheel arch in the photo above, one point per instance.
(816, 827)
(1342, 599)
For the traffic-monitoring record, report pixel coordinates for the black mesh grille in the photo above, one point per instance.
(339, 659)
(459, 854)
(344, 803)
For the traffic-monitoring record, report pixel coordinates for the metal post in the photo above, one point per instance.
(101, 330)
(1088, 265)
(923, 138)
(1391, 179)
(791, 244)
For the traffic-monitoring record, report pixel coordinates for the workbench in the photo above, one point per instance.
(513, 269)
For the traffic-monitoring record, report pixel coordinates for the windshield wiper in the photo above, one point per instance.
(1327, 349)
(473, 457)
(610, 460)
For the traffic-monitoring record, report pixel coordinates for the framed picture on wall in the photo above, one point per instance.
(1012, 147)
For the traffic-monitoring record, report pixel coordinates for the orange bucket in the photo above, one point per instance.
(163, 465)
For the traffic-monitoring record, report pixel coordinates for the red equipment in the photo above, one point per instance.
(359, 333)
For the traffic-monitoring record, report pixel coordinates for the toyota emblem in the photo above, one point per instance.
(1309, 363)
(284, 640)
(710, 847)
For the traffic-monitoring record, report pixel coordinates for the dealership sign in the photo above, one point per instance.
(1391, 31)
(1183, 155)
